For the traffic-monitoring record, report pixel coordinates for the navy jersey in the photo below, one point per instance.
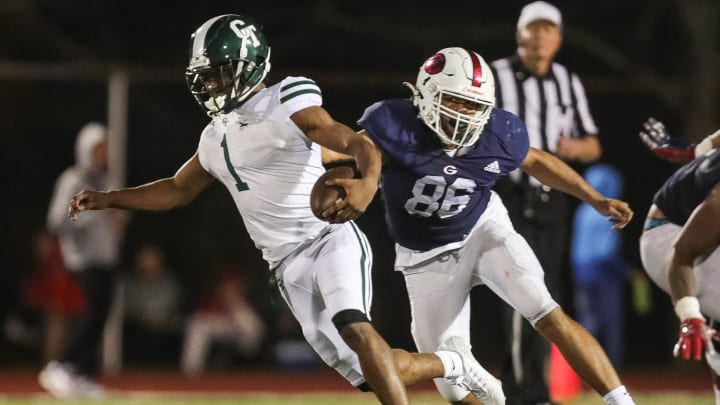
(688, 187)
(432, 199)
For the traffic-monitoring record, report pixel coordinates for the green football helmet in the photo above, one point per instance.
(229, 58)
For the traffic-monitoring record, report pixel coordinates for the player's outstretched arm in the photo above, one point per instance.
(673, 149)
(322, 129)
(556, 174)
(159, 195)
(665, 146)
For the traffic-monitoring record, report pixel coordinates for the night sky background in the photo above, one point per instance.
(636, 59)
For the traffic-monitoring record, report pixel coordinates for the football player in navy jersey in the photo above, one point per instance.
(679, 244)
(443, 151)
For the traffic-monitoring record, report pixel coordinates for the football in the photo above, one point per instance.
(322, 196)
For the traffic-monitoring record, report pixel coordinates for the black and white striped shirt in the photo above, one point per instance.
(551, 106)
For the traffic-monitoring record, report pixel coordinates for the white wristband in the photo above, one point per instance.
(688, 307)
(704, 146)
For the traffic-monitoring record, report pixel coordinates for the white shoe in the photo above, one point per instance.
(86, 388)
(61, 381)
(57, 379)
(475, 379)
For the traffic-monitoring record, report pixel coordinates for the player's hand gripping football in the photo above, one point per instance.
(87, 200)
(695, 339)
(359, 194)
(656, 137)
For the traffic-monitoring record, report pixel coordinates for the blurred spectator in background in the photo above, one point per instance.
(224, 316)
(153, 318)
(551, 100)
(50, 296)
(600, 274)
(290, 351)
(90, 249)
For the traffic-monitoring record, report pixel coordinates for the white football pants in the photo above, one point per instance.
(656, 246)
(439, 282)
(320, 279)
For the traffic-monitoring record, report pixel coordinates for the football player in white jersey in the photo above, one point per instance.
(264, 145)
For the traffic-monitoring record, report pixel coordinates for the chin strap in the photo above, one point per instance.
(214, 106)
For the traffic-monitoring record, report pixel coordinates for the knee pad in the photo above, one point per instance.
(347, 317)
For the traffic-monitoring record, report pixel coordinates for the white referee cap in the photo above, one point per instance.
(539, 10)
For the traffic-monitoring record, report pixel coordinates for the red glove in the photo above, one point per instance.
(656, 137)
(674, 155)
(694, 339)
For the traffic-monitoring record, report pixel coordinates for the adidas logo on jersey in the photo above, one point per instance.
(493, 167)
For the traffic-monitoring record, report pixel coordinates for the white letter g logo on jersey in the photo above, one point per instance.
(450, 169)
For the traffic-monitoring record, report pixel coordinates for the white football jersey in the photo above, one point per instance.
(268, 165)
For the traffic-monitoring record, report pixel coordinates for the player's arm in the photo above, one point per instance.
(697, 240)
(674, 149)
(159, 195)
(710, 142)
(322, 129)
(330, 156)
(556, 174)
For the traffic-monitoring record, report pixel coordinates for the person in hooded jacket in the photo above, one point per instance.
(90, 250)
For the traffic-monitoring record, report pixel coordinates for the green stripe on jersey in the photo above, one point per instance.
(363, 270)
(300, 93)
(310, 87)
(297, 83)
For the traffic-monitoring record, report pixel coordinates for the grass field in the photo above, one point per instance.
(142, 398)
(660, 386)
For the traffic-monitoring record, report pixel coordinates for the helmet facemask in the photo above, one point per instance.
(213, 100)
(454, 127)
(235, 81)
(461, 79)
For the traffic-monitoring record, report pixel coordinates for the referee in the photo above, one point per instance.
(551, 100)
